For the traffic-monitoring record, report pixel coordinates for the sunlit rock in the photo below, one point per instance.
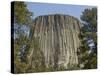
(57, 38)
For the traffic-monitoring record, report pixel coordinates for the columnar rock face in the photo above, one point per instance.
(57, 39)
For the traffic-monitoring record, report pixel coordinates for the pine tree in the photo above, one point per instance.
(89, 30)
(21, 14)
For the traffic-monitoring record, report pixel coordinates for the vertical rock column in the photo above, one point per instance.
(57, 37)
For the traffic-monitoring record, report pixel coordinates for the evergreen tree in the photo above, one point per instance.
(22, 43)
(89, 30)
(21, 14)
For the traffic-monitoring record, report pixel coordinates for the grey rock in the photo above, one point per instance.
(57, 37)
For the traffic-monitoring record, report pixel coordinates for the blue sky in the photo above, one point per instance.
(45, 9)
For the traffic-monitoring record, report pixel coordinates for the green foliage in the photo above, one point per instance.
(91, 62)
(20, 67)
(21, 16)
(89, 17)
(72, 67)
(20, 63)
(21, 13)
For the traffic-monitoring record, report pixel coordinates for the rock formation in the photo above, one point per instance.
(57, 41)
